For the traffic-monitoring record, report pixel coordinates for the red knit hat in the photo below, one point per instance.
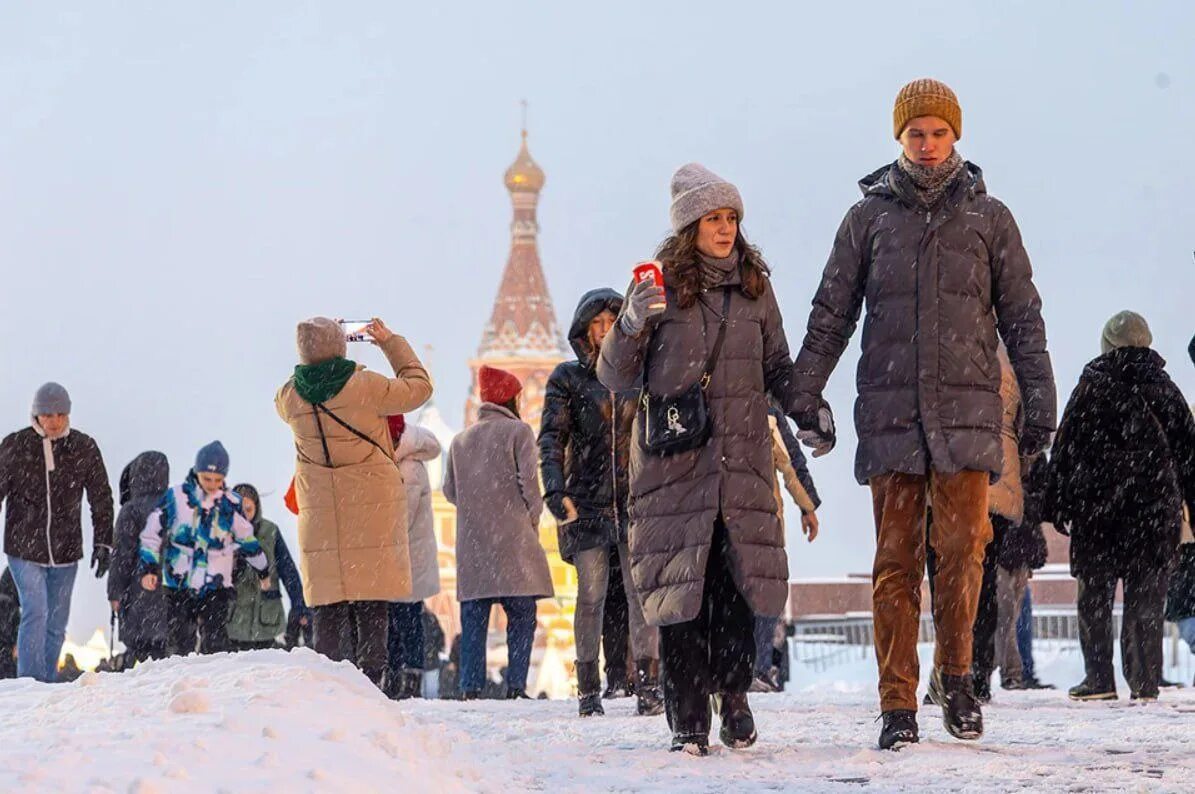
(497, 386)
(397, 424)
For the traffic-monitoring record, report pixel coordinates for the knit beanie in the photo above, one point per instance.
(320, 339)
(50, 399)
(926, 97)
(1125, 329)
(497, 386)
(697, 191)
(213, 458)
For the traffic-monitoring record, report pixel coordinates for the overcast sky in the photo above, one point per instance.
(180, 184)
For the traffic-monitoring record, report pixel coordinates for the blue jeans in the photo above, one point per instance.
(1025, 634)
(405, 640)
(765, 630)
(1186, 630)
(45, 594)
(520, 632)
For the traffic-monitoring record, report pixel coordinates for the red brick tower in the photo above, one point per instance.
(522, 335)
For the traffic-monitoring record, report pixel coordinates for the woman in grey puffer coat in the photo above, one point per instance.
(707, 547)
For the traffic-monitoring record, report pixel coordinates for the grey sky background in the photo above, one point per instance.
(180, 184)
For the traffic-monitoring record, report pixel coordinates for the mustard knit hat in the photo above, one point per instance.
(926, 97)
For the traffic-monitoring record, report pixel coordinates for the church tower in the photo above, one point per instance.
(522, 335)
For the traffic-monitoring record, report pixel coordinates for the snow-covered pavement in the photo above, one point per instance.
(272, 721)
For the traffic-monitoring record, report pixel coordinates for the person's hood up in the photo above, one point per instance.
(881, 182)
(1129, 365)
(243, 490)
(417, 443)
(592, 304)
(148, 475)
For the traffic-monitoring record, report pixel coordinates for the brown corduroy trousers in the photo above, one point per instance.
(960, 532)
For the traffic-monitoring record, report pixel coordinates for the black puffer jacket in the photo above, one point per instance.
(1180, 598)
(142, 612)
(1123, 463)
(1023, 545)
(939, 287)
(584, 440)
(48, 529)
(10, 621)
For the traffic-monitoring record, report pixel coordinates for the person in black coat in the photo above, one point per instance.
(10, 620)
(584, 445)
(142, 612)
(1123, 464)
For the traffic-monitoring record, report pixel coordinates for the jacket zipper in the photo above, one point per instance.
(614, 461)
(49, 507)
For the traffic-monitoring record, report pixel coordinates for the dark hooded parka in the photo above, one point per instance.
(939, 285)
(584, 439)
(1122, 465)
(142, 612)
(676, 500)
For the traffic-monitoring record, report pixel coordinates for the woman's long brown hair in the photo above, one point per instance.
(680, 258)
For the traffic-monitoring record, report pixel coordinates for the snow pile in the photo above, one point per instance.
(264, 721)
(272, 721)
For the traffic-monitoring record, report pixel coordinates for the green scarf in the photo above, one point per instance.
(318, 383)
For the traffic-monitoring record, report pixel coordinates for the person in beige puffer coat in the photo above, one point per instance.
(353, 553)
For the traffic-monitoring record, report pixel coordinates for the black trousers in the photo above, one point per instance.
(714, 652)
(1140, 630)
(198, 622)
(616, 630)
(983, 631)
(357, 631)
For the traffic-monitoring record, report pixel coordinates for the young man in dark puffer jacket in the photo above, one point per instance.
(1122, 467)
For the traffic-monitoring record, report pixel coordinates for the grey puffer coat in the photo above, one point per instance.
(939, 285)
(676, 500)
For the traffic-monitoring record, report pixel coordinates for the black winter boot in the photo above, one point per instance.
(961, 714)
(517, 694)
(900, 729)
(738, 724)
(982, 686)
(589, 690)
(689, 719)
(410, 685)
(649, 701)
(1086, 691)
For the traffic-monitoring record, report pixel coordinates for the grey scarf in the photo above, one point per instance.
(716, 272)
(929, 183)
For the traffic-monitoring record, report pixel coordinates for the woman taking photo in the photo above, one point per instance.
(707, 548)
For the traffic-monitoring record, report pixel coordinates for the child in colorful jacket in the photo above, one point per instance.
(202, 527)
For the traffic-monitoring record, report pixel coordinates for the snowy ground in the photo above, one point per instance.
(271, 721)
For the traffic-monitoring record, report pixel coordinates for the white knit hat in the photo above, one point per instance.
(320, 339)
(697, 191)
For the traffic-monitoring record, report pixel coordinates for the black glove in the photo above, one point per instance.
(101, 557)
(263, 574)
(1034, 440)
(815, 428)
(555, 503)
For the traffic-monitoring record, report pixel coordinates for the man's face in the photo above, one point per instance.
(928, 140)
(211, 482)
(53, 424)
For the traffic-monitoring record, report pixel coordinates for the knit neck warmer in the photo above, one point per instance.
(716, 272)
(47, 441)
(318, 383)
(929, 183)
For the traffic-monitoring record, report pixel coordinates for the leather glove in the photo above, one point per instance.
(645, 302)
(1034, 440)
(101, 558)
(815, 429)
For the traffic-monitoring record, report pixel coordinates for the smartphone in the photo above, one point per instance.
(354, 330)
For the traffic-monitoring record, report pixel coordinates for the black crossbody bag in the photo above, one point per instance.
(670, 425)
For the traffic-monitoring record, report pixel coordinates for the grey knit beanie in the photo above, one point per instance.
(697, 191)
(320, 339)
(1126, 329)
(51, 398)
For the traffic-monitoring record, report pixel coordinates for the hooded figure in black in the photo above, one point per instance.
(1123, 463)
(142, 612)
(584, 446)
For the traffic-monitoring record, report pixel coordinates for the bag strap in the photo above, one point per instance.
(717, 350)
(321, 407)
(322, 438)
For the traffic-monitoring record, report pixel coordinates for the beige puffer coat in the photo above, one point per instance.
(353, 513)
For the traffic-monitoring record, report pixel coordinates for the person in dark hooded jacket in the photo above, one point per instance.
(142, 612)
(584, 446)
(1122, 466)
(10, 621)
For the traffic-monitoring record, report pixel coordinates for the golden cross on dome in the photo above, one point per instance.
(524, 104)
